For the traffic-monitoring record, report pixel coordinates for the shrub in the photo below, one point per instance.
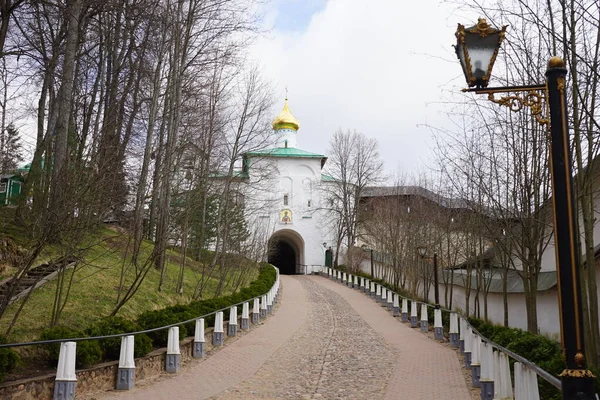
(8, 359)
(111, 348)
(174, 314)
(88, 351)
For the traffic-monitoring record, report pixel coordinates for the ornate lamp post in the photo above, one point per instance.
(476, 49)
(422, 252)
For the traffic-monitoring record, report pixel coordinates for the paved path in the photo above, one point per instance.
(325, 341)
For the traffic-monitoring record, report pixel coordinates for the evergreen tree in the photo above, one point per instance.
(12, 153)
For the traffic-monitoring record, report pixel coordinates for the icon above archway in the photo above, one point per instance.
(286, 216)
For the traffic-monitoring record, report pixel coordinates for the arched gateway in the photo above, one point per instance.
(286, 251)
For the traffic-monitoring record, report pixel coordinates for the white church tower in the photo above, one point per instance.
(290, 207)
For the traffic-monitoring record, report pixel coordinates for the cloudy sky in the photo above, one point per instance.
(383, 67)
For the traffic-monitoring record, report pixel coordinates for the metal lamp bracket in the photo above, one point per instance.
(534, 97)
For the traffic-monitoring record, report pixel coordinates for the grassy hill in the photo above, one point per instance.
(95, 284)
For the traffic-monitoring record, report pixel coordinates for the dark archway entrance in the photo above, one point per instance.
(284, 257)
(286, 251)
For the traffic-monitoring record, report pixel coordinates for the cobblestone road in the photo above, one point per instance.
(325, 341)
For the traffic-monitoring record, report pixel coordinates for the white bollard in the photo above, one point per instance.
(475, 360)
(461, 337)
(350, 280)
(245, 316)
(486, 376)
(504, 387)
(390, 300)
(383, 297)
(218, 331)
(378, 293)
(467, 344)
(362, 284)
(520, 382)
(126, 370)
(263, 306)
(438, 327)
(413, 314)
(373, 289)
(532, 385)
(404, 310)
(395, 305)
(232, 327)
(173, 360)
(424, 318)
(344, 279)
(66, 380)
(338, 276)
(454, 335)
(269, 302)
(356, 282)
(199, 340)
(256, 311)
(329, 272)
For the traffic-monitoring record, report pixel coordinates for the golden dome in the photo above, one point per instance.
(285, 119)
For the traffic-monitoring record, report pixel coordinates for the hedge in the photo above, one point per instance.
(171, 315)
(93, 351)
(540, 350)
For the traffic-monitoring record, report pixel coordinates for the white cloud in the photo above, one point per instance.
(377, 66)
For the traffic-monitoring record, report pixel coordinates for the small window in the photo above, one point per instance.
(309, 203)
(285, 199)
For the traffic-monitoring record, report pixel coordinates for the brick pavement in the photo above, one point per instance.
(236, 361)
(325, 341)
(424, 368)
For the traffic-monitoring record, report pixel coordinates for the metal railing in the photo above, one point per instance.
(545, 375)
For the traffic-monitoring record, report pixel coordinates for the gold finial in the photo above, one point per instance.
(556, 62)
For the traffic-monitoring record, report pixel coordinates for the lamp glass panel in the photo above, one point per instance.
(481, 50)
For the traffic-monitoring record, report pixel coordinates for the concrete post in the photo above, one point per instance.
(502, 382)
(486, 377)
(467, 343)
(413, 314)
(173, 360)
(424, 318)
(339, 276)
(66, 380)
(269, 302)
(232, 327)
(438, 327)
(263, 306)
(126, 370)
(245, 316)
(404, 310)
(218, 331)
(461, 337)
(199, 340)
(475, 360)
(350, 280)
(362, 284)
(454, 330)
(378, 293)
(256, 311)
(329, 272)
(344, 279)
(383, 297)
(373, 291)
(396, 306)
(356, 282)
(390, 300)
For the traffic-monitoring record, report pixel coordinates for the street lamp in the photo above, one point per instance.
(422, 252)
(577, 380)
(365, 248)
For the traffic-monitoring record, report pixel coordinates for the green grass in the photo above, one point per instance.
(95, 285)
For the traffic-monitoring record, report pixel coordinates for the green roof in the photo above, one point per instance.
(285, 152)
(328, 178)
